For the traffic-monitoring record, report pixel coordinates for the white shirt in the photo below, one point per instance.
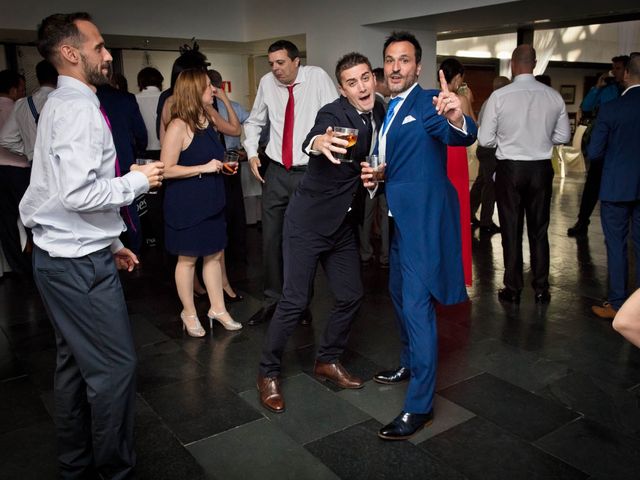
(524, 119)
(148, 102)
(313, 90)
(72, 203)
(19, 132)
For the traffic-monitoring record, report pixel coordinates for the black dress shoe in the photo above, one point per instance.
(306, 318)
(405, 425)
(579, 229)
(229, 299)
(543, 296)
(490, 229)
(391, 377)
(262, 315)
(508, 295)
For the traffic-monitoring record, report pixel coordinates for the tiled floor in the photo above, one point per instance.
(523, 393)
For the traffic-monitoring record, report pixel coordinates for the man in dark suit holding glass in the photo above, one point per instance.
(317, 228)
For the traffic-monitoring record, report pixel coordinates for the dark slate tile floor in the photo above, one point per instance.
(522, 393)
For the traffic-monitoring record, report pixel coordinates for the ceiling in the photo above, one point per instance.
(501, 18)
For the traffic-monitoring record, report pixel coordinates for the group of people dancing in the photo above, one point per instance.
(308, 217)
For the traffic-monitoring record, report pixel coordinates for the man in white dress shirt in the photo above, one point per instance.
(304, 89)
(72, 206)
(18, 136)
(524, 120)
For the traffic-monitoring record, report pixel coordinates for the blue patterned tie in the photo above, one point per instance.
(387, 119)
(390, 109)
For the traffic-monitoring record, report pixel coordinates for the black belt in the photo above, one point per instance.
(294, 168)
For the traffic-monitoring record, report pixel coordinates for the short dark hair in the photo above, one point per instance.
(215, 77)
(623, 59)
(379, 73)
(350, 60)
(403, 37)
(56, 28)
(451, 67)
(292, 50)
(150, 76)
(46, 73)
(120, 82)
(9, 79)
(190, 59)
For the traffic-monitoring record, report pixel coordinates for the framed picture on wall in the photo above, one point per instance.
(568, 93)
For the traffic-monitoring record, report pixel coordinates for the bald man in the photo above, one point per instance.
(524, 120)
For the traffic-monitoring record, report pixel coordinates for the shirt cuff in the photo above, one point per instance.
(462, 130)
(116, 246)
(310, 151)
(138, 182)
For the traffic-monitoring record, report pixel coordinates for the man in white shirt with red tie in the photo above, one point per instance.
(72, 206)
(287, 101)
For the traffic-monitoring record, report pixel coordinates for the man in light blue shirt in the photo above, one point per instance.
(72, 206)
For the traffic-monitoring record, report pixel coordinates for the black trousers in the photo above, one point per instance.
(94, 385)
(483, 189)
(523, 188)
(279, 186)
(303, 250)
(13, 183)
(590, 192)
(236, 219)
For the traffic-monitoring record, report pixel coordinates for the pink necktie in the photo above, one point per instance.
(124, 211)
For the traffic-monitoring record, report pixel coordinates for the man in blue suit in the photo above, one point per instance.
(426, 252)
(616, 141)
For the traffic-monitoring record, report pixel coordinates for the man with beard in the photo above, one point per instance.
(72, 206)
(426, 253)
(318, 229)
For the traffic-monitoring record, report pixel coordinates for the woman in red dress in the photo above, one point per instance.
(457, 166)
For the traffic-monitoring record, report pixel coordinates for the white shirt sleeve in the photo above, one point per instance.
(84, 185)
(255, 123)
(488, 130)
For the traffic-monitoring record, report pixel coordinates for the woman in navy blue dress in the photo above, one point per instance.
(194, 197)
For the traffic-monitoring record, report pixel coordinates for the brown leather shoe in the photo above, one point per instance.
(605, 310)
(336, 374)
(270, 396)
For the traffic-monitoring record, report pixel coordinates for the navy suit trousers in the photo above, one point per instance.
(615, 217)
(303, 250)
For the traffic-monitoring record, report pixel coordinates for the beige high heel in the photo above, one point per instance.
(195, 331)
(230, 324)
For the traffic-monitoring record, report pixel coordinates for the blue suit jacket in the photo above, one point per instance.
(421, 198)
(616, 137)
(127, 126)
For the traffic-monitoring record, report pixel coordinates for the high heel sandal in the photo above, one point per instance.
(230, 324)
(195, 331)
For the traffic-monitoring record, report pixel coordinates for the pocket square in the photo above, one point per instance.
(408, 119)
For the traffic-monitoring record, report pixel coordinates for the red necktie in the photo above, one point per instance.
(124, 211)
(287, 134)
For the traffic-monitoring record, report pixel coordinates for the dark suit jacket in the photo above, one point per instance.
(327, 190)
(616, 137)
(127, 126)
(421, 198)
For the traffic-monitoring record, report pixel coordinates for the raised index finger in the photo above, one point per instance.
(443, 82)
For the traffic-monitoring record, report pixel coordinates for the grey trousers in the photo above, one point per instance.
(94, 384)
